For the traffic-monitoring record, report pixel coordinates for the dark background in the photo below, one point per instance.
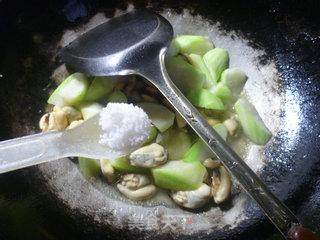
(288, 30)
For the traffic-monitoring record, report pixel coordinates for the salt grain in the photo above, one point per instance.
(125, 127)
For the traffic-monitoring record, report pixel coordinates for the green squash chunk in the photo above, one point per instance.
(197, 61)
(152, 135)
(88, 110)
(173, 49)
(251, 123)
(221, 129)
(161, 117)
(205, 99)
(216, 60)
(122, 164)
(71, 91)
(179, 175)
(200, 151)
(89, 167)
(222, 92)
(100, 87)
(181, 123)
(193, 44)
(234, 79)
(176, 142)
(185, 76)
(117, 97)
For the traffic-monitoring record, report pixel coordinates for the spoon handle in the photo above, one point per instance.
(30, 150)
(276, 211)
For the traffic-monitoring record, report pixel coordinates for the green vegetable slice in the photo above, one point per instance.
(181, 123)
(205, 99)
(200, 151)
(216, 60)
(197, 61)
(173, 49)
(99, 88)
(179, 175)
(234, 79)
(221, 129)
(88, 110)
(176, 142)
(222, 92)
(122, 165)
(161, 117)
(117, 97)
(184, 75)
(152, 135)
(251, 123)
(89, 167)
(71, 91)
(193, 44)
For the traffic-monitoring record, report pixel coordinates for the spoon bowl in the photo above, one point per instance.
(120, 46)
(82, 140)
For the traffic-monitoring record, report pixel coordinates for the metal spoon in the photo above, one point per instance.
(136, 43)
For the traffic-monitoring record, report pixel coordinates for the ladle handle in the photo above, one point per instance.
(30, 150)
(276, 211)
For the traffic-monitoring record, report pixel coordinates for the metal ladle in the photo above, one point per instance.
(136, 43)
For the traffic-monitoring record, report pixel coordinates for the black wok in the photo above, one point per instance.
(54, 201)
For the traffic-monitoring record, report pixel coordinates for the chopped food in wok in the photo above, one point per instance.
(172, 157)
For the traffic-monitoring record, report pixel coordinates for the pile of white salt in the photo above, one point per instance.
(125, 127)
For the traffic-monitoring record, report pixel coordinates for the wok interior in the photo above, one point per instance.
(281, 104)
